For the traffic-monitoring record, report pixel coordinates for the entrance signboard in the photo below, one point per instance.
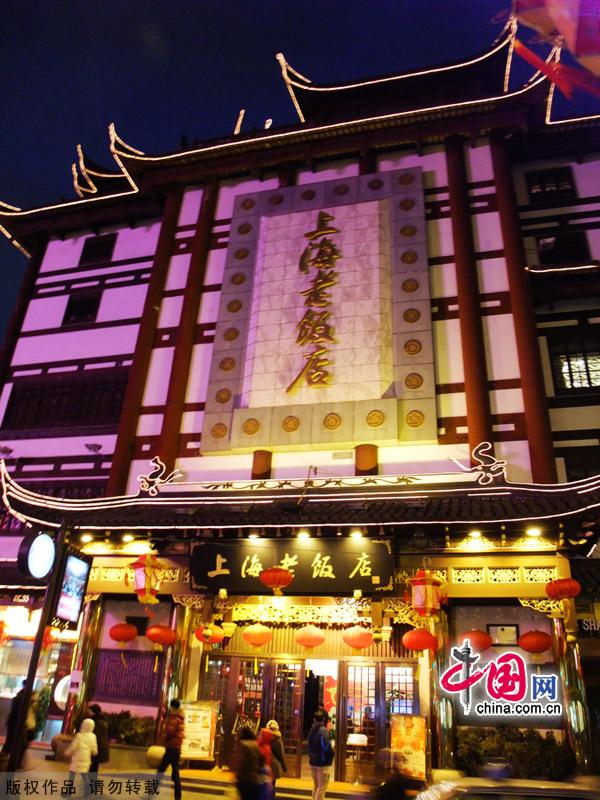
(200, 729)
(319, 566)
(408, 743)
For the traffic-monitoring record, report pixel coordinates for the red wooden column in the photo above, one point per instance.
(168, 443)
(479, 421)
(136, 381)
(537, 420)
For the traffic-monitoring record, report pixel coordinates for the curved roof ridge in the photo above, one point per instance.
(88, 169)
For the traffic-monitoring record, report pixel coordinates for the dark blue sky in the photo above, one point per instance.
(159, 69)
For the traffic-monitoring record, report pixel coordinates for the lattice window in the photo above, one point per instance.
(550, 184)
(98, 248)
(504, 574)
(360, 705)
(575, 361)
(539, 574)
(399, 690)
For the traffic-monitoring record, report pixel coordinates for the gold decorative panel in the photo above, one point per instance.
(469, 575)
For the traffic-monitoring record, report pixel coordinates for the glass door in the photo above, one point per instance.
(285, 706)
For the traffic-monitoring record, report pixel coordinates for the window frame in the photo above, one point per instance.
(103, 242)
(570, 343)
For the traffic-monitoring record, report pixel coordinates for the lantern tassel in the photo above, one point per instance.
(155, 663)
(123, 660)
(255, 665)
(206, 664)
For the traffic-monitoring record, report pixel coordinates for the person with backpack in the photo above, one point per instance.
(81, 751)
(172, 739)
(320, 756)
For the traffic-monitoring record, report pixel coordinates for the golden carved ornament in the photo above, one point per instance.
(231, 334)
(408, 231)
(413, 380)
(544, 605)
(409, 257)
(219, 430)
(406, 179)
(299, 615)
(248, 203)
(290, 424)
(276, 199)
(332, 421)
(412, 347)
(402, 613)
(375, 183)
(308, 194)
(410, 285)
(238, 278)
(251, 426)
(223, 396)
(375, 418)
(241, 253)
(227, 364)
(244, 228)
(407, 204)
(415, 418)
(234, 306)
(412, 315)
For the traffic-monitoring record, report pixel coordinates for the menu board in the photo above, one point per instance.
(134, 682)
(409, 745)
(200, 729)
(72, 591)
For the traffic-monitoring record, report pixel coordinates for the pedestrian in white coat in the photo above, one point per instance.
(81, 750)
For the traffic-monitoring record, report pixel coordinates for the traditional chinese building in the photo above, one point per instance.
(361, 353)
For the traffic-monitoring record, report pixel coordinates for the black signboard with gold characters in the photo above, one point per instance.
(319, 566)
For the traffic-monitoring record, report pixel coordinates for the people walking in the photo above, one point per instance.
(270, 738)
(320, 756)
(101, 731)
(249, 766)
(81, 750)
(172, 739)
(14, 743)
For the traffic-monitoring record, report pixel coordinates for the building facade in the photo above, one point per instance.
(377, 328)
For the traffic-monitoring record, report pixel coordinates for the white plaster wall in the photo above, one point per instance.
(136, 242)
(500, 347)
(190, 207)
(429, 459)
(76, 344)
(149, 424)
(63, 446)
(516, 454)
(328, 463)
(62, 254)
(215, 266)
(492, 275)
(432, 162)
(359, 363)
(587, 177)
(506, 401)
(46, 312)
(4, 395)
(198, 378)
(122, 303)
(579, 419)
(87, 276)
(439, 238)
(178, 272)
(442, 280)
(229, 190)
(170, 312)
(159, 373)
(216, 468)
(487, 232)
(593, 236)
(479, 162)
(447, 348)
(327, 171)
(453, 404)
(209, 307)
(191, 422)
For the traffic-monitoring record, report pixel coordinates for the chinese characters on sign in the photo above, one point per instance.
(314, 328)
(506, 688)
(335, 567)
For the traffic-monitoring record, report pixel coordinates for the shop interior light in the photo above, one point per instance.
(303, 533)
(533, 533)
(85, 538)
(356, 533)
(475, 534)
(127, 537)
(254, 535)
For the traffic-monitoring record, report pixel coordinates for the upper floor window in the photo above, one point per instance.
(581, 462)
(66, 401)
(563, 249)
(550, 184)
(98, 248)
(576, 362)
(82, 308)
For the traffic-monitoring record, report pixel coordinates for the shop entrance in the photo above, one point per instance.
(359, 696)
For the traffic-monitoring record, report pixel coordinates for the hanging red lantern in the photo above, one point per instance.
(276, 578)
(257, 635)
(535, 641)
(48, 638)
(146, 578)
(122, 633)
(3, 635)
(209, 634)
(310, 636)
(358, 638)
(563, 588)
(480, 640)
(427, 593)
(161, 636)
(418, 640)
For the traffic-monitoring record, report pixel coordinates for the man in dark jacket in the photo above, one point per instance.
(172, 739)
(101, 731)
(320, 756)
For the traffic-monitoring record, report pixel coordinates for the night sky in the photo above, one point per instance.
(162, 69)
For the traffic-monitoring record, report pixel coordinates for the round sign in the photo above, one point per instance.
(61, 692)
(37, 554)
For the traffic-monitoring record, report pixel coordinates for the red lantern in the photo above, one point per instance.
(209, 634)
(310, 636)
(358, 637)
(418, 640)
(427, 593)
(161, 636)
(3, 634)
(535, 641)
(276, 578)
(563, 588)
(146, 578)
(257, 635)
(480, 640)
(122, 633)
(48, 638)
